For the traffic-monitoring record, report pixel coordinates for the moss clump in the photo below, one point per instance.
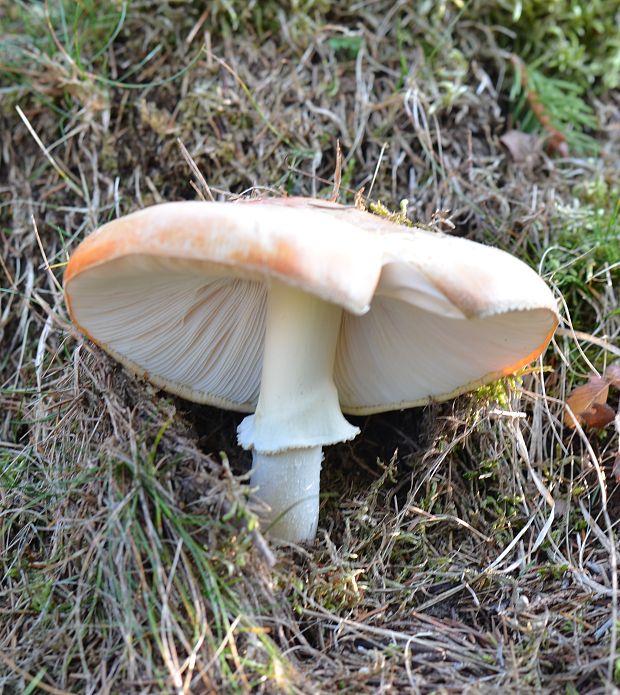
(578, 41)
(399, 217)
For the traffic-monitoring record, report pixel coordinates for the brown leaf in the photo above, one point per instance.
(599, 416)
(612, 373)
(589, 404)
(616, 468)
(522, 147)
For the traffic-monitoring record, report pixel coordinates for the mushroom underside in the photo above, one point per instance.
(198, 332)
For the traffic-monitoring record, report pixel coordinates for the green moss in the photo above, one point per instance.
(578, 41)
(586, 243)
(399, 217)
(553, 571)
(346, 47)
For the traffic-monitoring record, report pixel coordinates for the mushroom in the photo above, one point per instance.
(297, 310)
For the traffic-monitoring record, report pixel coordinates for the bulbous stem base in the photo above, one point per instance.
(288, 488)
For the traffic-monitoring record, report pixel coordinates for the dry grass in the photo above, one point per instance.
(462, 548)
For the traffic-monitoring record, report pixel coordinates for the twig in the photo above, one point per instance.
(47, 265)
(588, 338)
(374, 176)
(337, 174)
(196, 171)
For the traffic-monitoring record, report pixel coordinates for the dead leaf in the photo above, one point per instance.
(612, 373)
(522, 147)
(600, 415)
(589, 404)
(616, 468)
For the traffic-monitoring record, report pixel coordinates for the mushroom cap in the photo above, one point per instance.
(177, 293)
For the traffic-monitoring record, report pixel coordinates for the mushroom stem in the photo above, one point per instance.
(292, 503)
(297, 411)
